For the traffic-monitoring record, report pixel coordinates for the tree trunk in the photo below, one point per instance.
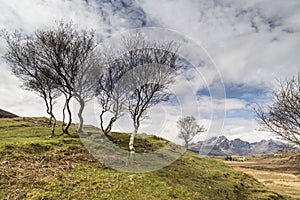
(53, 126)
(131, 141)
(80, 126)
(64, 117)
(49, 106)
(108, 128)
(50, 120)
(52, 117)
(66, 129)
(186, 145)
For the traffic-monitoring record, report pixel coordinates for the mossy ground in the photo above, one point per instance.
(35, 166)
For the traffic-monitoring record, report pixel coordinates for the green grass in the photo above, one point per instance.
(35, 166)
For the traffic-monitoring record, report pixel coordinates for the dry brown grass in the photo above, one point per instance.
(34, 171)
(279, 172)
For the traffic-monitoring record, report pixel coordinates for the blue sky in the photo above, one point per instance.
(240, 47)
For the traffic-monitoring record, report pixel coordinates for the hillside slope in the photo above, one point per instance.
(5, 114)
(34, 166)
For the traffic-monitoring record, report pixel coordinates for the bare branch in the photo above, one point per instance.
(57, 54)
(151, 69)
(283, 117)
(22, 57)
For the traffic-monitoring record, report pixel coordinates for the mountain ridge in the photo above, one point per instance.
(221, 146)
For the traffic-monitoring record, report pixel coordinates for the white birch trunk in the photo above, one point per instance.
(131, 141)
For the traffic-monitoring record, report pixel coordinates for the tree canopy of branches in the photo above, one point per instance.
(23, 61)
(282, 117)
(111, 93)
(64, 50)
(151, 69)
(188, 129)
(135, 79)
(86, 84)
(58, 53)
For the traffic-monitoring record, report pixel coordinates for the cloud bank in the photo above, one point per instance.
(248, 43)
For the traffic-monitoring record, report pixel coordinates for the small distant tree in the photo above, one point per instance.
(188, 129)
(282, 117)
(21, 57)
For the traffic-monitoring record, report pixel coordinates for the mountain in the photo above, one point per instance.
(5, 114)
(220, 146)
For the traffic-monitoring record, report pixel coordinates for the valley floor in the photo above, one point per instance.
(279, 172)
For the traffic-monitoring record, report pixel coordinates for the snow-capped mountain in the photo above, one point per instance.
(222, 146)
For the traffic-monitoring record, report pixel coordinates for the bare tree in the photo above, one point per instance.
(64, 50)
(86, 84)
(188, 129)
(46, 88)
(111, 93)
(151, 70)
(21, 57)
(282, 117)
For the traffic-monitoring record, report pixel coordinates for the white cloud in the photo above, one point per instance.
(32, 14)
(228, 31)
(206, 104)
(244, 129)
(29, 15)
(251, 42)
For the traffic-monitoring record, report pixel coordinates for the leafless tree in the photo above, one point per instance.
(21, 56)
(188, 129)
(282, 117)
(111, 92)
(47, 89)
(86, 84)
(151, 69)
(64, 50)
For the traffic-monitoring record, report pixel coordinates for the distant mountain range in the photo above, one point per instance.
(5, 114)
(221, 146)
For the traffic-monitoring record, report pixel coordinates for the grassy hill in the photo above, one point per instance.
(35, 166)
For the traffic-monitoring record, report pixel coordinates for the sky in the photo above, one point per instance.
(236, 51)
